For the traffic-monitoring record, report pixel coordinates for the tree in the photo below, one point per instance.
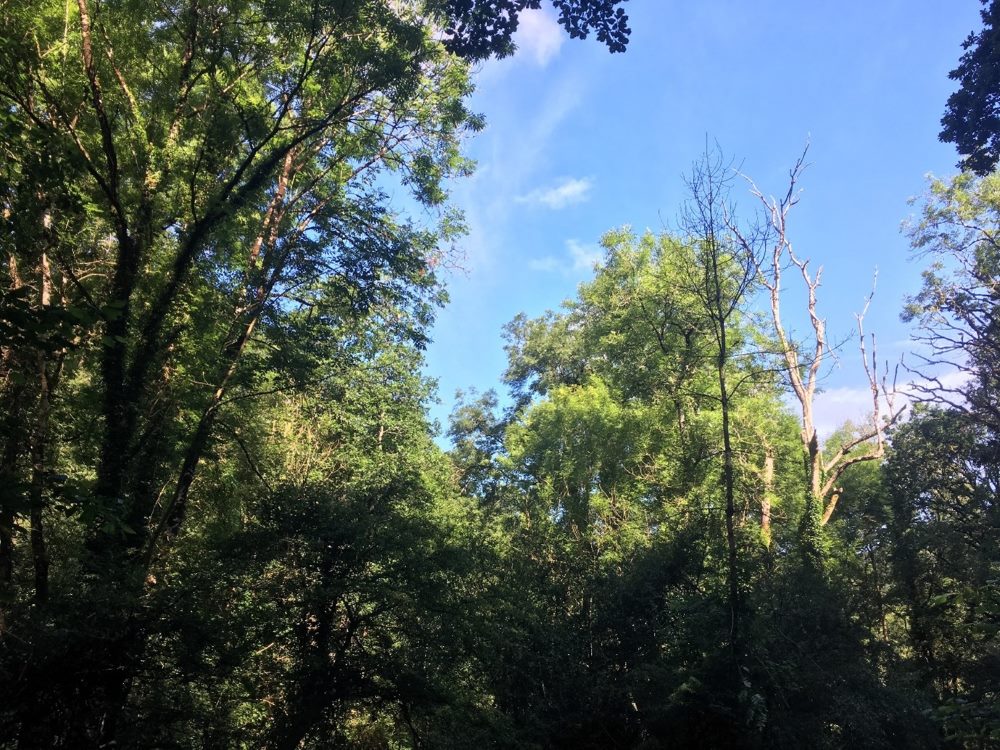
(972, 116)
(721, 278)
(617, 462)
(942, 474)
(802, 364)
(957, 309)
(476, 430)
(942, 484)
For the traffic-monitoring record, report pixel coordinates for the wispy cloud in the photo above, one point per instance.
(538, 37)
(578, 258)
(506, 163)
(514, 156)
(566, 192)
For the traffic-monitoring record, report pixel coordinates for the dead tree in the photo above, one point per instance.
(802, 362)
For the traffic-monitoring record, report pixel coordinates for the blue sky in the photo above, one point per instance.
(579, 141)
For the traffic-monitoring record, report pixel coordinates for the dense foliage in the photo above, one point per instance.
(224, 518)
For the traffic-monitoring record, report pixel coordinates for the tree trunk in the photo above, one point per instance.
(831, 506)
(8, 475)
(39, 439)
(811, 526)
(6, 551)
(729, 482)
(244, 322)
(767, 478)
(13, 445)
(176, 510)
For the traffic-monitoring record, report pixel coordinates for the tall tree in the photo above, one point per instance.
(802, 362)
(239, 171)
(942, 476)
(721, 278)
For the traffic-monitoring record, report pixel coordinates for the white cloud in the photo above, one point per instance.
(579, 258)
(538, 36)
(835, 406)
(567, 192)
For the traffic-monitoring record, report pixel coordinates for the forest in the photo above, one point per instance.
(227, 519)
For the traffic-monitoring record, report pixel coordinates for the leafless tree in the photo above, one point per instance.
(720, 277)
(771, 247)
